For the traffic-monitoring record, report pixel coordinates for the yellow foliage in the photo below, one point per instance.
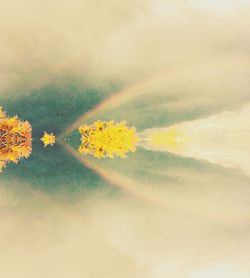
(2, 113)
(15, 139)
(108, 139)
(48, 139)
(2, 165)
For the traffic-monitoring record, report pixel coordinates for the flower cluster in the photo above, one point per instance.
(15, 139)
(108, 139)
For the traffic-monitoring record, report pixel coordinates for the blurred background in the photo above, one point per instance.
(155, 214)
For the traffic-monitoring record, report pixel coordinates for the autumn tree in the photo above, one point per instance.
(108, 139)
(15, 139)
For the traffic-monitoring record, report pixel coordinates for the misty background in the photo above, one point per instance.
(59, 59)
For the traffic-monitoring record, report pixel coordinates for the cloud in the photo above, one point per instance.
(127, 42)
(119, 237)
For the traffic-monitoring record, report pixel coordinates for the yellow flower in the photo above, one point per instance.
(48, 139)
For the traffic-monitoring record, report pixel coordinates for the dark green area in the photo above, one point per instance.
(54, 170)
(53, 108)
(156, 169)
(155, 109)
(74, 139)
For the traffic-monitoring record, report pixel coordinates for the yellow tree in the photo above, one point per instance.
(15, 139)
(108, 139)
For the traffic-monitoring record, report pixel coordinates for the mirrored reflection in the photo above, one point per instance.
(108, 139)
(15, 139)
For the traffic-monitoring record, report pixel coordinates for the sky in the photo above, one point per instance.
(154, 63)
